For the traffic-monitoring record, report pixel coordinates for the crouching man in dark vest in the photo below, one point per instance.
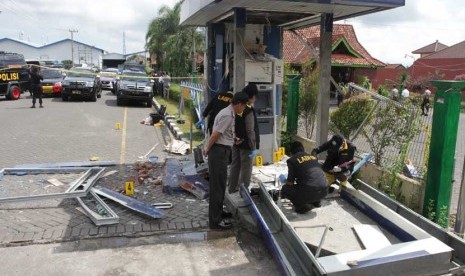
(306, 183)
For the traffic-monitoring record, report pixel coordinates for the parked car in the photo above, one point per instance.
(108, 78)
(133, 66)
(81, 82)
(134, 85)
(14, 75)
(51, 84)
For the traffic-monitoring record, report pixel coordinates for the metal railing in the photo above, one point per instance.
(197, 95)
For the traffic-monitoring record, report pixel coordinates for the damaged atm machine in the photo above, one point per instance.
(239, 53)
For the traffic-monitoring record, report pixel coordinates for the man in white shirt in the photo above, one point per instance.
(405, 94)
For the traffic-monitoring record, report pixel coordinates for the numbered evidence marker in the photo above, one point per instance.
(276, 156)
(258, 160)
(282, 152)
(129, 186)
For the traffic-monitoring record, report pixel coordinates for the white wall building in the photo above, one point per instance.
(57, 51)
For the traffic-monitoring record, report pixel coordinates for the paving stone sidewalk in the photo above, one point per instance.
(61, 220)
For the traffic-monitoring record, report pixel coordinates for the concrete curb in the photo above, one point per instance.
(170, 122)
(241, 211)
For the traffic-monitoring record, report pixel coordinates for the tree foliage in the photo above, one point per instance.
(173, 44)
(308, 98)
(350, 115)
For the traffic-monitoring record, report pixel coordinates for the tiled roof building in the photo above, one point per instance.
(347, 50)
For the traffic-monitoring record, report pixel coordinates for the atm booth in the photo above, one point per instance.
(244, 45)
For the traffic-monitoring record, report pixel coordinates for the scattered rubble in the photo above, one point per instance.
(172, 177)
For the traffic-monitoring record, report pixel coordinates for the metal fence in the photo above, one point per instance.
(197, 94)
(417, 145)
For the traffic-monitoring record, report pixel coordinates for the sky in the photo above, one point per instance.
(388, 36)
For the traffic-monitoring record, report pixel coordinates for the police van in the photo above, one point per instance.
(14, 75)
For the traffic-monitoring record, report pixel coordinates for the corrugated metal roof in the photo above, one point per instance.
(47, 45)
(431, 48)
(454, 51)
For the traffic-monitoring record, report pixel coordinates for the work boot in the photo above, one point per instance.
(223, 225)
(41, 106)
(33, 106)
(302, 209)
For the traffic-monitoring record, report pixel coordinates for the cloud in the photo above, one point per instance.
(387, 35)
(390, 35)
(100, 23)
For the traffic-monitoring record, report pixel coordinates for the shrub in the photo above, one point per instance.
(350, 115)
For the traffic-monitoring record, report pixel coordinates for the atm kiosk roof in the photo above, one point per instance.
(289, 14)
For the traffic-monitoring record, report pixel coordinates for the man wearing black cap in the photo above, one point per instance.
(247, 141)
(218, 150)
(339, 161)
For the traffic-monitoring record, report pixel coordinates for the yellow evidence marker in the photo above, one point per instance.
(258, 161)
(282, 152)
(276, 156)
(129, 187)
(118, 126)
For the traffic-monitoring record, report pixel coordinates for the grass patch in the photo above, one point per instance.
(172, 107)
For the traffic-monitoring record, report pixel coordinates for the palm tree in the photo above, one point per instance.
(172, 43)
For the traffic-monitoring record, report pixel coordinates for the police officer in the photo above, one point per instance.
(221, 101)
(340, 161)
(306, 184)
(36, 89)
(247, 143)
(219, 146)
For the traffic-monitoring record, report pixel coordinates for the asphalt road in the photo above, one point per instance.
(77, 131)
(74, 131)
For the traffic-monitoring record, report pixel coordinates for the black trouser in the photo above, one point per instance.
(218, 173)
(36, 93)
(300, 196)
(425, 105)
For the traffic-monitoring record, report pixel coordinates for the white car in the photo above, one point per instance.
(108, 78)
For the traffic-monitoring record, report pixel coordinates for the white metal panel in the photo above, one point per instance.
(258, 71)
(371, 236)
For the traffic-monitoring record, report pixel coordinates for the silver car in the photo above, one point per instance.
(108, 79)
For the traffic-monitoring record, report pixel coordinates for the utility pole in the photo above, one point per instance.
(194, 56)
(124, 43)
(72, 31)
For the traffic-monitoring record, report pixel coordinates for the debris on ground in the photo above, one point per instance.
(177, 146)
(147, 121)
(179, 179)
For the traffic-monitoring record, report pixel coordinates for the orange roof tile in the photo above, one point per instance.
(296, 53)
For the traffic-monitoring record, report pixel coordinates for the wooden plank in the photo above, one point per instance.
(371, 236)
